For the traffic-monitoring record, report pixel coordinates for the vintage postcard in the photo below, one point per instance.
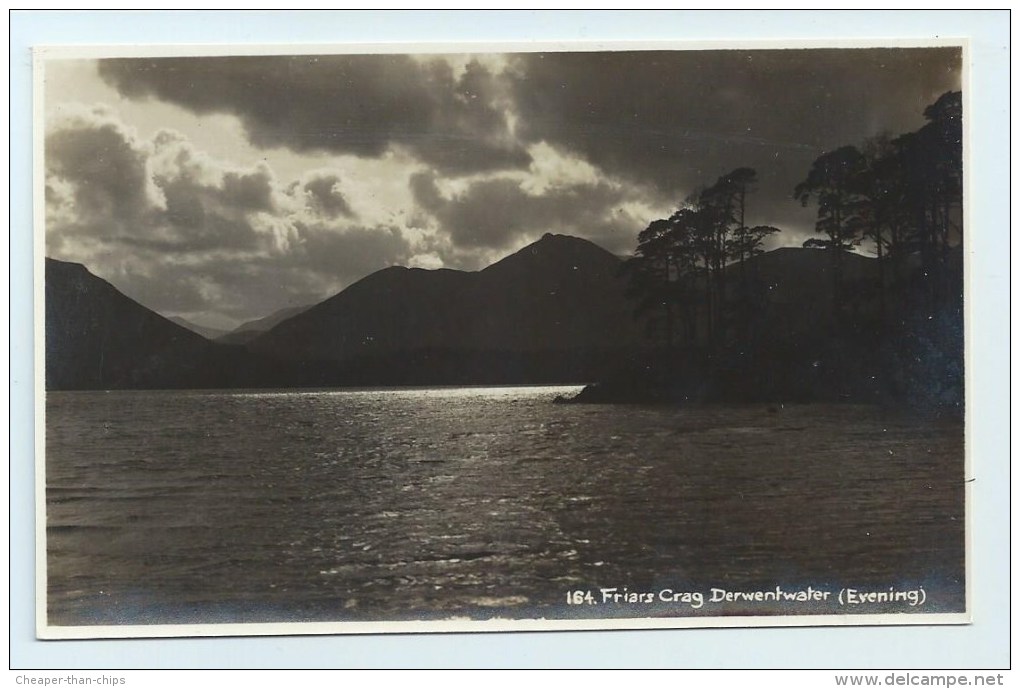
(482, 338)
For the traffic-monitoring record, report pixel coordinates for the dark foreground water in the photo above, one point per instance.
(237, 506)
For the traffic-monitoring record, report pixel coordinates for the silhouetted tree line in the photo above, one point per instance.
(679, 271)
(899, 199)
(903, 197)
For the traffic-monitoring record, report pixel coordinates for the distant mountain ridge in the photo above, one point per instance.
(558, 294)
(248, 331)
(205, 331)
(553, 312)
(97, 338)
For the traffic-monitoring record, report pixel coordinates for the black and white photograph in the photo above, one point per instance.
(338, 340)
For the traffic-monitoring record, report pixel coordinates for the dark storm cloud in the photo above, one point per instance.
(681, 119)
(107, 172)
(341, 257)
(120, 196)
(237, 287)
(200, 217)
(357, 104)
(669, 120)
(324, 195)
(496, 213)
(618, 139)
(248, 191)
(321, 263)
(182, 234)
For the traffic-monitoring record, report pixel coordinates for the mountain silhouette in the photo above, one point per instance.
(96, 337)
(794, 291)
(203, 330)
(796, 275)
(248, 331)
(784, 342)
(555, 310)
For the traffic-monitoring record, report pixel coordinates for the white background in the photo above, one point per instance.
(984, 644)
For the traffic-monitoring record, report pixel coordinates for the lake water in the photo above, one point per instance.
(241, 506)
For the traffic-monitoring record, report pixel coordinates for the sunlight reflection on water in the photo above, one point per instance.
(404, 503)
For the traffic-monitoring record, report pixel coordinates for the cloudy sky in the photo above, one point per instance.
(221, 189)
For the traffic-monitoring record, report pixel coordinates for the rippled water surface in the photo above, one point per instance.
(223, 506)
